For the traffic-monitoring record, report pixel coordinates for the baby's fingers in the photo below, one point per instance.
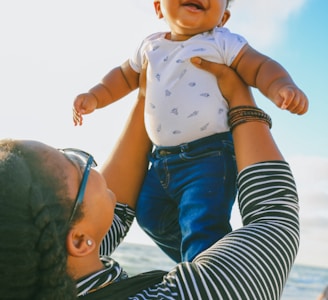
(303, 103)
(294, 101)
(77, 118)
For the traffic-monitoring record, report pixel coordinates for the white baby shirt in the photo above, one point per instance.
(184, 103)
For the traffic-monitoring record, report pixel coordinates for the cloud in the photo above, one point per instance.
(311, 176)
(263, 23)
(311, 173)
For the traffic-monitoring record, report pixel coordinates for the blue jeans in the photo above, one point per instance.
(186, 200)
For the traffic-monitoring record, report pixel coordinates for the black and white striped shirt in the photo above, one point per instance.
(252, 262)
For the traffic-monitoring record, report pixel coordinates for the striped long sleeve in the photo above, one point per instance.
(252, 262)
(122, 222)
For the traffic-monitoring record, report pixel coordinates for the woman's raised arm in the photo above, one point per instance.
(126, 166)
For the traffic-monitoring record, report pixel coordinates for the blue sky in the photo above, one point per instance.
(52, 50)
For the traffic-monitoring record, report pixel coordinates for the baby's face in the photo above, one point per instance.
(189, 17)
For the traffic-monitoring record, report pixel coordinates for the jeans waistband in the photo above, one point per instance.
(163, 150)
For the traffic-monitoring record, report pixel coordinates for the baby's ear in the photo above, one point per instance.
(157, 6)
(225, 18)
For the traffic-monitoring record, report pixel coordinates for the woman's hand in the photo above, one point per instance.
(232, 87)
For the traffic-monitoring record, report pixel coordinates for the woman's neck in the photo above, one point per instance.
(79, 267)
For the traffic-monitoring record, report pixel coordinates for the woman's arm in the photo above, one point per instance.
(126, 166)
(124, 172)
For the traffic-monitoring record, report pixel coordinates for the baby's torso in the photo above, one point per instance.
(183, 103)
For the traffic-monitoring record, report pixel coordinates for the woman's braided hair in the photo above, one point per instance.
(33, 228)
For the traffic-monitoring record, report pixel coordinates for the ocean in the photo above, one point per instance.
(304, 283)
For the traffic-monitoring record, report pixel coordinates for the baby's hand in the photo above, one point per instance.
(290, 97)
(83, 104)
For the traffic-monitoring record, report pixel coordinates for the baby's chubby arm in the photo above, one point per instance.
(119, 82)
(271, 79)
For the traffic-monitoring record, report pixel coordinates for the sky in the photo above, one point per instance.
(51, 51)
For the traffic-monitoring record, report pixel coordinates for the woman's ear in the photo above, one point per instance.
(78, 244)
(157, 6)
(225, 18)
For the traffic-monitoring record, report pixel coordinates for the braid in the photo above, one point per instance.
(33, 229)
(50, 223)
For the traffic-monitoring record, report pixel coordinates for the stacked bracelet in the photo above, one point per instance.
(242, 114)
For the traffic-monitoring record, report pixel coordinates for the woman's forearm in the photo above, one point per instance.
(126, 166)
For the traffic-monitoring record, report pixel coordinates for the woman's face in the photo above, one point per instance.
(98, 201)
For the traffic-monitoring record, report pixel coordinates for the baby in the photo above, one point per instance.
(187, 196)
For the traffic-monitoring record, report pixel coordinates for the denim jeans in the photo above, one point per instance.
(186, 200)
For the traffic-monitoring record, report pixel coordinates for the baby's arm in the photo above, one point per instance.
(119, 82)
(271, 79)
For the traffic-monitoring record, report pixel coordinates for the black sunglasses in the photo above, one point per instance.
(85, 160)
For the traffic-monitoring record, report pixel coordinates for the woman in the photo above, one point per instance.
(46, 242)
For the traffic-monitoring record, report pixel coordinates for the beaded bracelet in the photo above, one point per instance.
(242, 114)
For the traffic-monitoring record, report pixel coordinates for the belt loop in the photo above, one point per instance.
(184, 147)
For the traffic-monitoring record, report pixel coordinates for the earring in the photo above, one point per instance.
(89, 243)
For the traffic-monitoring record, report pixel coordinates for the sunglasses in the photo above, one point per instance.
(85, 160)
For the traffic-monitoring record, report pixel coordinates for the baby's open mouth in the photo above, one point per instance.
(194, 4)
